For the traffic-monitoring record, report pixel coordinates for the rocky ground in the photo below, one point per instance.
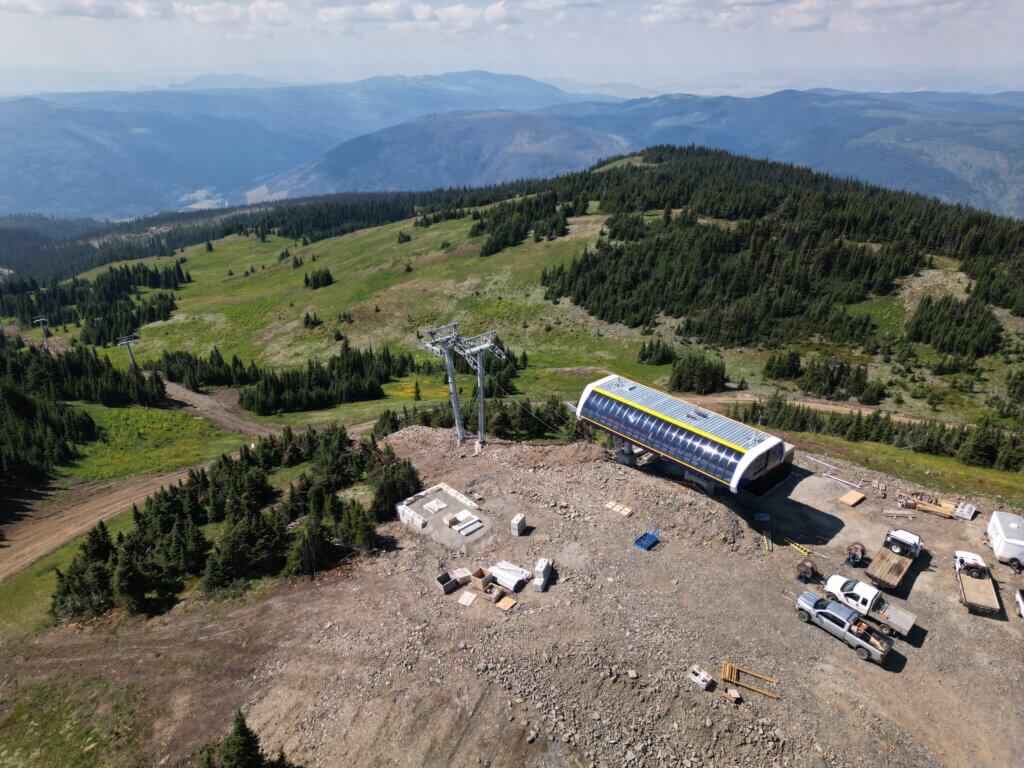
(372, 665)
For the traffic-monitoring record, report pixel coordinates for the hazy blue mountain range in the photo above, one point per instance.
(960, 147)
(119, 154)
(453, 149)
(123, 154)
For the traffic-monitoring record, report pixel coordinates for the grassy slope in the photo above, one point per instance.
(137, 441)
(84, 723)
(260, 316)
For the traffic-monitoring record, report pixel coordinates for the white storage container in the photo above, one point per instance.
(1006, 535)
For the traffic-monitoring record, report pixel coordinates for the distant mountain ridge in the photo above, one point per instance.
(964, 148)
(449, 150)
(122, 154)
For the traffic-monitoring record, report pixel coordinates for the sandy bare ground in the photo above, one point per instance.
(66, 514)
(221, 409)
(371, 665)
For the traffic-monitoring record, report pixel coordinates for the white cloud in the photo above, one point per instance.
(455, 18)
(96, 9)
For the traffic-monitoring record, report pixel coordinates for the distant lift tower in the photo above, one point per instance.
(127, 341)
(474, 349)
(43, 322)
(442, 341)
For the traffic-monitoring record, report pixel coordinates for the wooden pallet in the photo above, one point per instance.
(731, 674)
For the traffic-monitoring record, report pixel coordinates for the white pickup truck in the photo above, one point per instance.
(870, 603)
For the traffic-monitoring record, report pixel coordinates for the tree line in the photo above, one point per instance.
(508, 419)
(38, 430)
(307, 531)
(196, 372)
(104, 307)
(986, 444)
(307, 219)
(347, 376)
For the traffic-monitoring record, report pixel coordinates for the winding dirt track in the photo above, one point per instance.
(220, 409)
(70, 513)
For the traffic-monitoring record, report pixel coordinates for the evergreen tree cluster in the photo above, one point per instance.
(656, 352)
(307, 531)
(507, 419)
(508, 224)
(966, 328)
(783, 365)
(77, 374)
(1015, 386)
(696, 371)
(986, 444)
(764, 281)
(348, 376)
(196, 372)
(105, 308)
(37, 434)
(829, 377)
(318, 278)
(38, 430)
(241, 748)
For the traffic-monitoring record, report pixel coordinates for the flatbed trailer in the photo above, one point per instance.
(893, 559)
(888, 569)
(977, 589)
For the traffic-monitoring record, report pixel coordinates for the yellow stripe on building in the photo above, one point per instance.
(663, 417)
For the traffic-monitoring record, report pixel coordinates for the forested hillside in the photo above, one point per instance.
(45, 258)
(804, 246)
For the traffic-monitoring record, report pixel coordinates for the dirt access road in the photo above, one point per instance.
(69, 512)
(371, 665)
(221, 409)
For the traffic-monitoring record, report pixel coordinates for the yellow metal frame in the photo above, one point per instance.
(663, 417)
(731, 674)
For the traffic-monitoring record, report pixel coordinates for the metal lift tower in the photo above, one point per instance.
(443, 340)
(474, 349)
(43, 322)
(127, 341)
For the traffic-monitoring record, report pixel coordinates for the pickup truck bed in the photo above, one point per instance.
(893, 618)
(887, 569)
(978, 594)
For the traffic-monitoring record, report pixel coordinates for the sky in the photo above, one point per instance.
(700, 46)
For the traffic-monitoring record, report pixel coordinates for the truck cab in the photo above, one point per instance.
(855, 594)
(901, 542)
(845, 624)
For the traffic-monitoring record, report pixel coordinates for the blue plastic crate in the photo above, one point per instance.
(647, 541)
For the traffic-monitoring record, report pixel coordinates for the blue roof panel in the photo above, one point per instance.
(709, 422)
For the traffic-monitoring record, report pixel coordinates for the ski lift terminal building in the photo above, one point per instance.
(712, 449)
